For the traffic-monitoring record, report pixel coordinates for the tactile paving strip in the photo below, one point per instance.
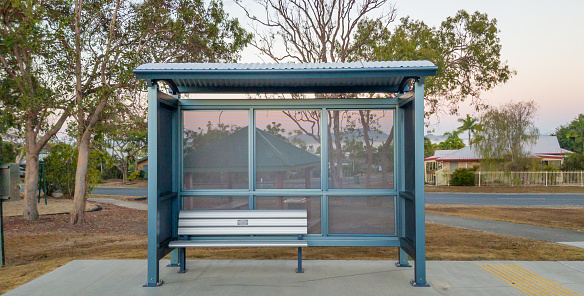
(526, 281)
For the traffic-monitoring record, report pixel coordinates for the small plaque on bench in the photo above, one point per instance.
(242, 222)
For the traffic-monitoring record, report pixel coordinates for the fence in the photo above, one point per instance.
(505, 178)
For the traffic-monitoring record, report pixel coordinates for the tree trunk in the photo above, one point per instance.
(78, 214)
(365, 124)
(31, 180)
(124, 172)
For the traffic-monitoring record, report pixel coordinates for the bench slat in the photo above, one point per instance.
(242, 214)
(238, 243)
(241, 230)
(242, 222)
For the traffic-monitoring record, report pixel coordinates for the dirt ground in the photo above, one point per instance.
(118, 183)
(36, 248)
(53, 206)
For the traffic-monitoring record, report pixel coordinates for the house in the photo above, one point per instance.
(546, 150)
(142, 165)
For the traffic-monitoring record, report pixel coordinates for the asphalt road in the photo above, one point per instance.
(508, 199)
(499, 199)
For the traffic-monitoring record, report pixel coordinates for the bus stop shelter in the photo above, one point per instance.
(345, 141)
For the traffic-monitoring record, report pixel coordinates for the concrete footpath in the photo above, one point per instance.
(121, 203)
(562, 236)
(321, 277)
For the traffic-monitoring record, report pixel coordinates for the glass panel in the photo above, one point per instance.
(360, 152)
(361, 215)
(310, 203)
(216, 203)
(215, 150)
(288, 149)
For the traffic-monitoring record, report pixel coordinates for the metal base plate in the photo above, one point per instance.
(300, 271)
(173, 265)
(414, 284)
(154, 285)
(402, 265)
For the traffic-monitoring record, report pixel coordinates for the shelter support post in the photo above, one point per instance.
(153, 262)
(419, 203)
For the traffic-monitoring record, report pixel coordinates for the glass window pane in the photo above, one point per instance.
(361, 215)
(360, 152)
(215, 150)
(310, 203)
(216, 203)
(288, 149)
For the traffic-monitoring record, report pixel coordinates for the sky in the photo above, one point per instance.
(542, 40)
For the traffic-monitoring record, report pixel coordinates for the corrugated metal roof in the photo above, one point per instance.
(383, 76)
(545, 145)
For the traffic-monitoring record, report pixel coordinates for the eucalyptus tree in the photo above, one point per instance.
(108, 39)
(34, 103)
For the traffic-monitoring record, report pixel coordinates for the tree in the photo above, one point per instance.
(37, 104)
(571, 135)
(108, 39)
(505, 131)
(466, 48)
(469, 124)
(452, 142)
(429, 147)
(124, 132)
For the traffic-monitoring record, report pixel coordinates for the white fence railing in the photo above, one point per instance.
(506, 178)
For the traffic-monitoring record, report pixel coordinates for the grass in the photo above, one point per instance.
(561, 218)
(506, 189)
(36, 248)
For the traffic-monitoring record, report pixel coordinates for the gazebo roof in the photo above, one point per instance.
(230, 153)
(354, 77)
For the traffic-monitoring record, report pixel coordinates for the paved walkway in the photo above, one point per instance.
(321, 277)
(562, 236)
(121, 203)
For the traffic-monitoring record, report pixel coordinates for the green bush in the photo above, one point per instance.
(462, 177)
(60, 168)
(136, 175)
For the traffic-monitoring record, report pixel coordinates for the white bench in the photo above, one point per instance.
(269, 228)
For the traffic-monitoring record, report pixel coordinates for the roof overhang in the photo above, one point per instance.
(355, 77)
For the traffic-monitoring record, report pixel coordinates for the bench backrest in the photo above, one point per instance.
(242, 222)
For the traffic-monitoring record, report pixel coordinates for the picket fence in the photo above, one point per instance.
(507, 178)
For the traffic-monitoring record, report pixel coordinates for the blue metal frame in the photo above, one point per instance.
(408, 188)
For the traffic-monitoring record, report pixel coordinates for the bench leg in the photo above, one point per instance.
(299, 269)
(173, 259)
(182, 257)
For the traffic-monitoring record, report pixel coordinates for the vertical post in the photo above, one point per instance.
(176, 174)
(153, 264)
(479, 178)
(420, 258)
(299, 269)
(400, 183)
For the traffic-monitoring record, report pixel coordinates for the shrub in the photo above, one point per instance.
(136, 175)
(60, 168)
(462, 177)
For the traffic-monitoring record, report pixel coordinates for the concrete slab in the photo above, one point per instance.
(277, 277)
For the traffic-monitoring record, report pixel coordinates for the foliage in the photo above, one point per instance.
(429, 147)
(7, 152)
(506, 131)
(466, 48)
(571, 135)
(573, 162)
(60, 167)
(469, 124)
(136, 175)
(462, 177)
(452, 142)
